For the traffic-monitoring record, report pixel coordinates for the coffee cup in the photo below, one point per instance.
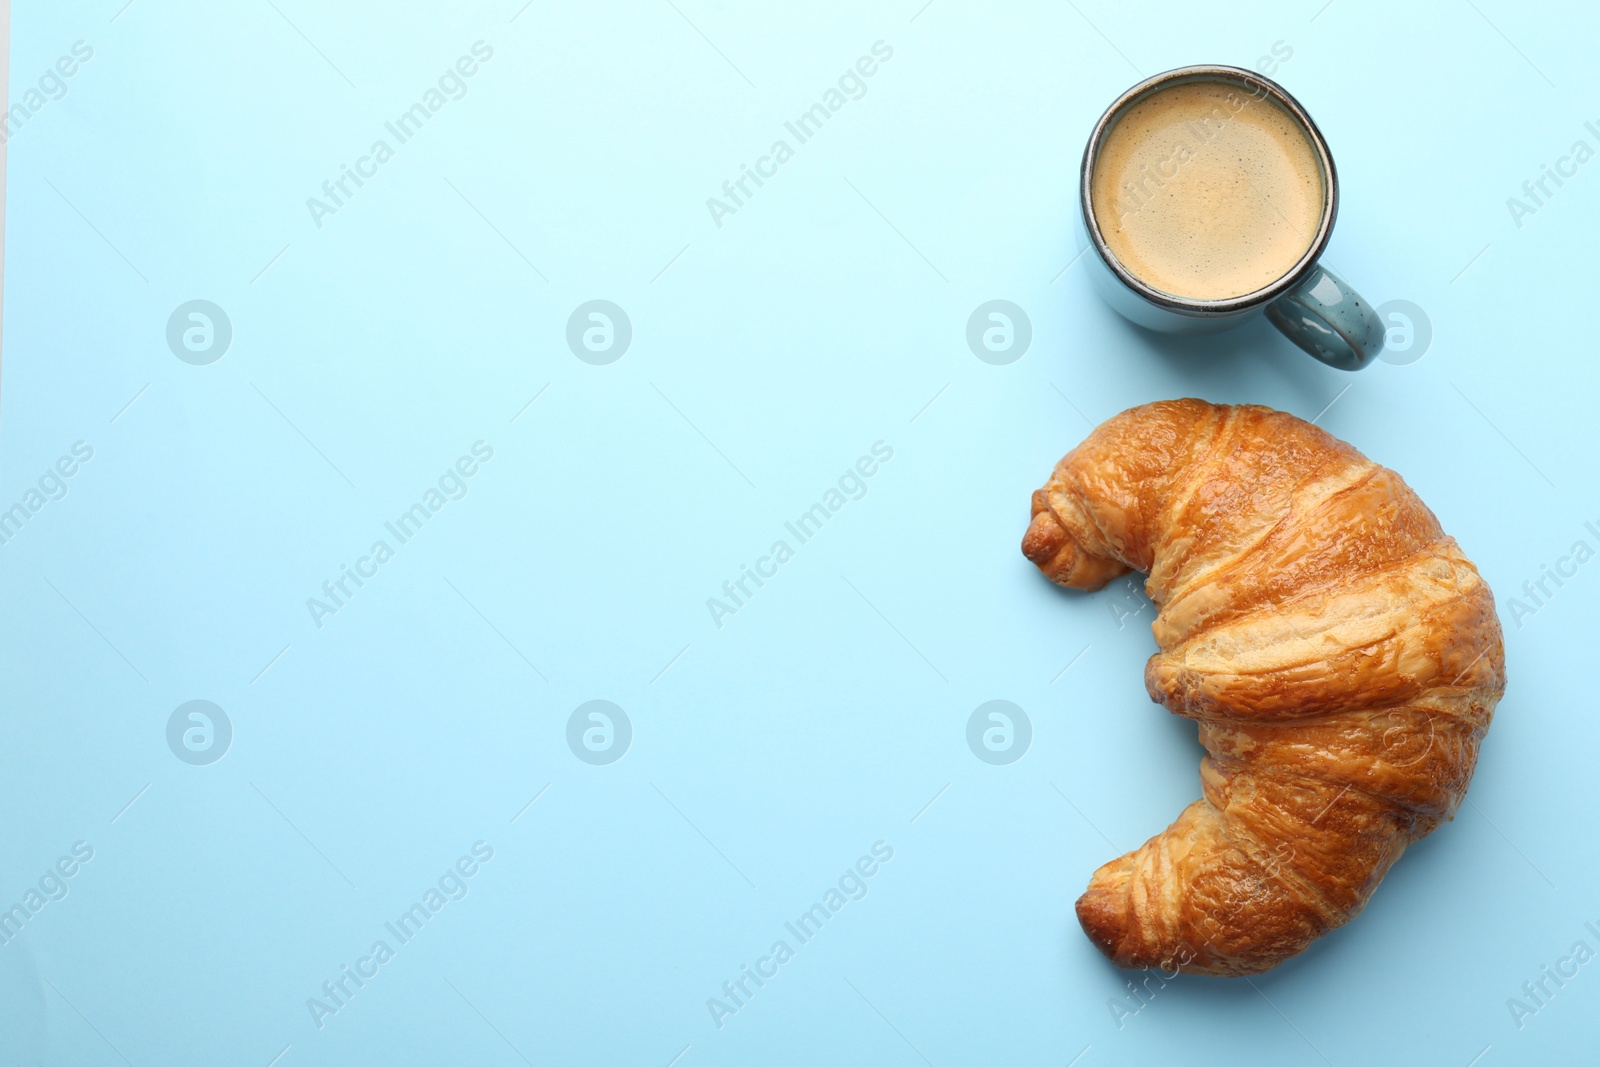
(1208, 196)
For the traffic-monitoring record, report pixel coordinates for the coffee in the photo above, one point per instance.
(1207, 191)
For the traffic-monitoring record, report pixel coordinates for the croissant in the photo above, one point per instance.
(1341, 657)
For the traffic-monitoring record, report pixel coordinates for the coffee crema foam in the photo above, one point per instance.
(1207, 191)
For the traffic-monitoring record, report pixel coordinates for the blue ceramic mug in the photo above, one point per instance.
(1314, 307)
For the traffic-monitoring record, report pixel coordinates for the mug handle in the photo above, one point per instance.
(1329, 320)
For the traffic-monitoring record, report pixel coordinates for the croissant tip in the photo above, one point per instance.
(1045, 539)
(1107, 928)
(1103, 923)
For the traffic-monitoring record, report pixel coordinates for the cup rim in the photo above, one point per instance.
(1281, 96)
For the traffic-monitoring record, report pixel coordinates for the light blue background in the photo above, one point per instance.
(827, 314)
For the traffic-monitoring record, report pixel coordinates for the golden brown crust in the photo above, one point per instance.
(1341, 655)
